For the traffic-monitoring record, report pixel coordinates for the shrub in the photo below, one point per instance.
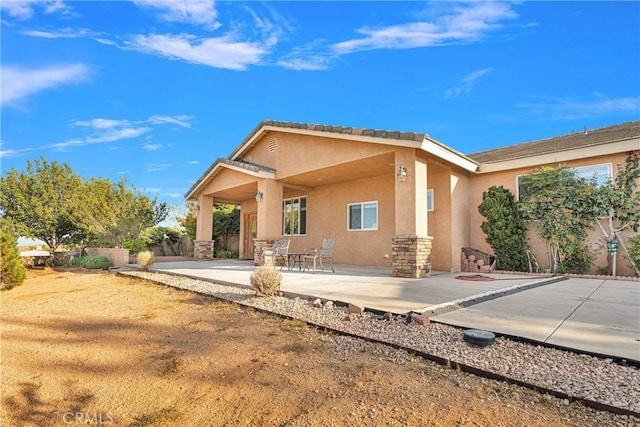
(225, 253)
(135, 245)
(266, 281)
(13, 272)
(145, 259)
(504, 229)
(92, 262)
(634, 249)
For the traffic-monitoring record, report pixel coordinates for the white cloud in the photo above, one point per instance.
(19, 83)
(549, 108)
(467, 83)
(63, 33)
(463, 23)
(198, 12)
(193, 162)
(181, 120)
(153, 167)
(102, 123)
(23, 10)
(112, 135)
(221, 52)
(152, 147)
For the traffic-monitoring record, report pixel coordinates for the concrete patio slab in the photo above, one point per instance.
(589, 315)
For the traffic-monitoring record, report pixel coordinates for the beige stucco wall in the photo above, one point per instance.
(327, 218)
(508, 179)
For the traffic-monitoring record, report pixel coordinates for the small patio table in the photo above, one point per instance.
(296, 257)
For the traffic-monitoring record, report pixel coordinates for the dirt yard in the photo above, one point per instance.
(96, 348)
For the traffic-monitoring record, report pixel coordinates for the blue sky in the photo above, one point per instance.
(155, 91)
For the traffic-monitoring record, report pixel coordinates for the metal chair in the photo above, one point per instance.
(317, 254)
(280, 248)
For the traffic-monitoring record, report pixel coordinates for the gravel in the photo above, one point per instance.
(577, 375)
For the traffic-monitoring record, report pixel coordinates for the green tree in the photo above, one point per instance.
(114, 213)
(618, 204)
(43, 202)
(504, 228)
(563, 207)
(13, 272)
(189, 220)
(226, 222)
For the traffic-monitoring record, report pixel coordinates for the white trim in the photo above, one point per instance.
(562, 156)
(216, 169)
(445, 153)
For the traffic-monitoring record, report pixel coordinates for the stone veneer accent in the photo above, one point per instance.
(203, 250)
(258, 244)
(411, 256)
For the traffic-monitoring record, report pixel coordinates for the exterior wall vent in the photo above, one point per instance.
(273, 144)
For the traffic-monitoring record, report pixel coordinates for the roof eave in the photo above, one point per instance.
(562, 156)
(442, 151)
(215, 169)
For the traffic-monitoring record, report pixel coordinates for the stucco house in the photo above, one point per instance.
(396, 199)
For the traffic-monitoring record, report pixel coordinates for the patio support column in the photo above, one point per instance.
(269, 215)
(203, 245)
(411, 246)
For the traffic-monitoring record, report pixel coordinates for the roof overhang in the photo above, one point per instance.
(425, 143)
(222, 164)
(561, 156)
(445, 153)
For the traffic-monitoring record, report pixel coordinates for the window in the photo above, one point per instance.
(430, 200)
(294, 216)
(363, 216)
(601, 173)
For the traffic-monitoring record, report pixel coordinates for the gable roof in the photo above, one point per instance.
(572, 141)
(245, 167)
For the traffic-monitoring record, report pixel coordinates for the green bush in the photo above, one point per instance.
(92, 262)
(633, 244)
(225, 253)
(13, 272)
(145, 259)
(135, 245)
(266, 281)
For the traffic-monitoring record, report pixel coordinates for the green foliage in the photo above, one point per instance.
(157, 235)
(13, 272)
(50, 202)
(113, 213)
(266, 281)
(562, 206)
(225, 253)
(145, 259)
(135, 245)
(189, 220)
(504, 228)
(43, 202)
(92, 262)
(226, 222)
(634, 249)
(619, 204)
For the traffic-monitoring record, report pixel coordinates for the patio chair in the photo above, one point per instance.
(280, 248)
(317, 254)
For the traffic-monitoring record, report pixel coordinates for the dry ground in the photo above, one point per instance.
(95, 348)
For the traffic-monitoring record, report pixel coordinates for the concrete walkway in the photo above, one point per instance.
(596, 316)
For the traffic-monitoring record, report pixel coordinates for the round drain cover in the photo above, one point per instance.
(479, 337)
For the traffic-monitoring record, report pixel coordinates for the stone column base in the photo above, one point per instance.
(203, 250)
(258, 244)
(411, 256)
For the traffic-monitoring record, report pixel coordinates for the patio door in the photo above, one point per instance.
(251, 232)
